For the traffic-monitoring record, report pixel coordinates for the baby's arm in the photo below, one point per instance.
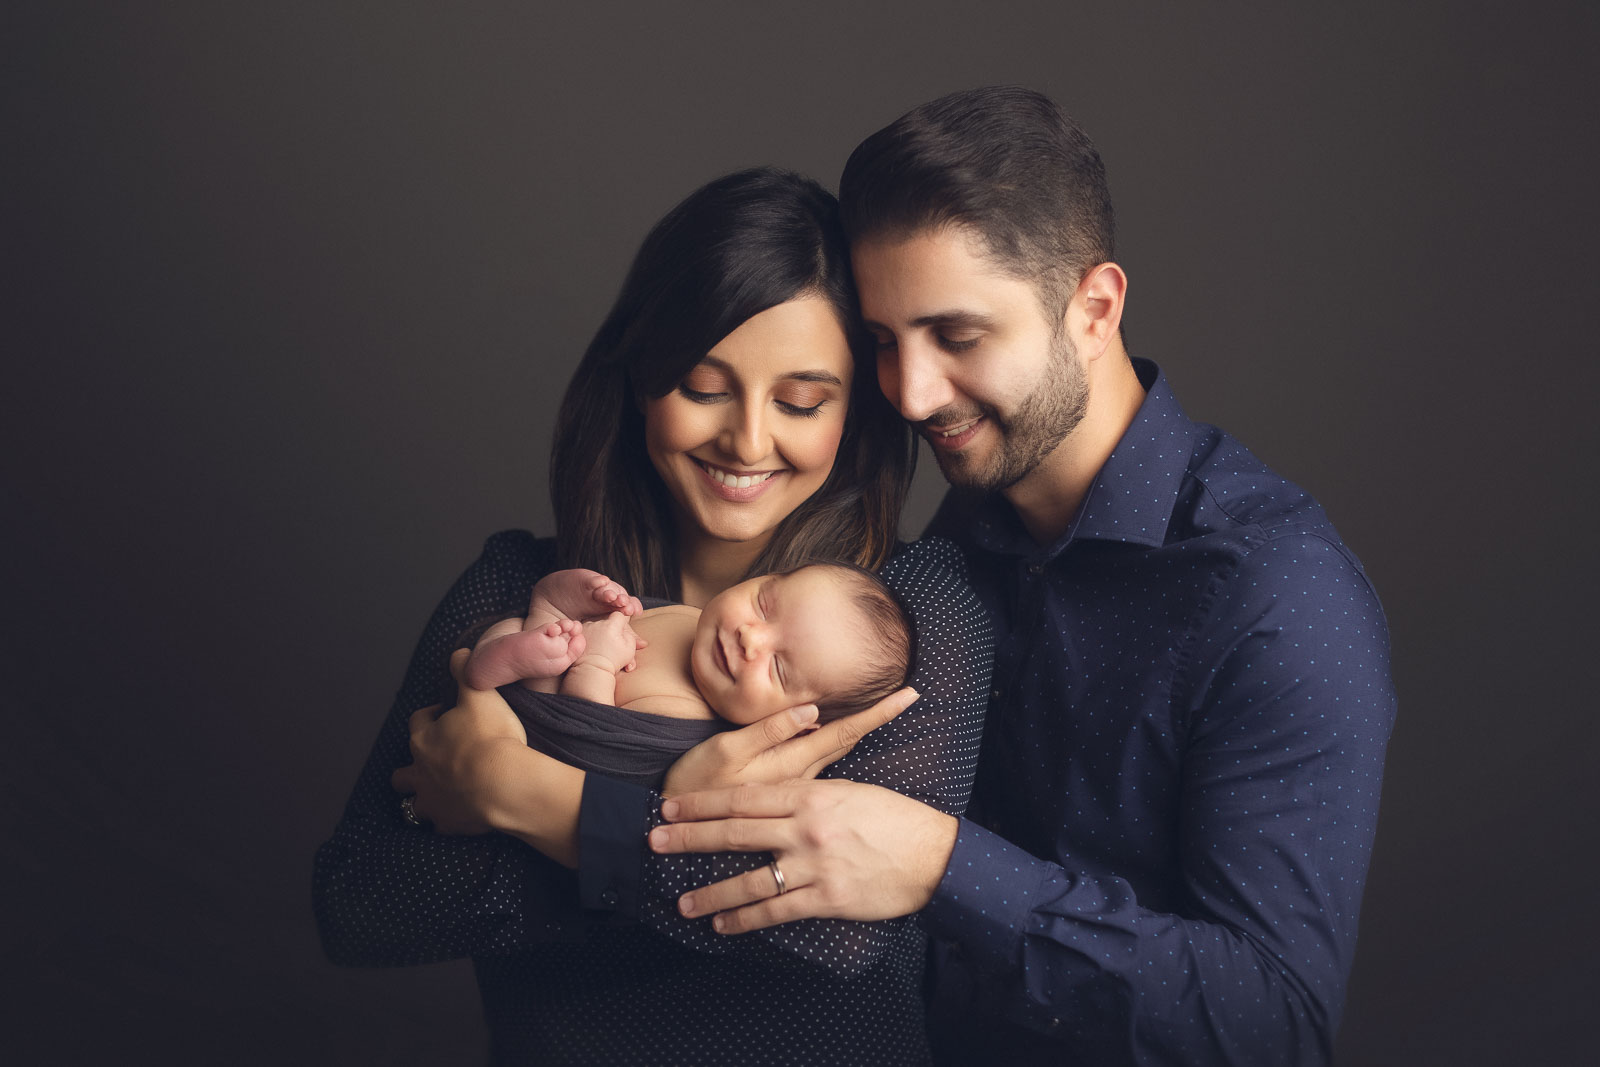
(610, 649)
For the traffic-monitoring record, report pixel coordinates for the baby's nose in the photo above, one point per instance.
(749, 640)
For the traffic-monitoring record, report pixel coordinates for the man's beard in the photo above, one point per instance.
(1029, 434)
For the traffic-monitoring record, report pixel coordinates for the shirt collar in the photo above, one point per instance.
(1133, 496)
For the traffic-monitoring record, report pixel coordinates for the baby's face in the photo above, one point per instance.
(771, 643)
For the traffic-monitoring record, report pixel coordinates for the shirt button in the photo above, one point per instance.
(1036, 569)
(609, 898)
(997, 694)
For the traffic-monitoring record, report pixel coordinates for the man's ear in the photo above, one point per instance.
(1095, 311)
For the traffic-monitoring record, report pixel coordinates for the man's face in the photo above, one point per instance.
(968, 355)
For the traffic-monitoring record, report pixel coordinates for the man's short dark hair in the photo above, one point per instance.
(1001, 160)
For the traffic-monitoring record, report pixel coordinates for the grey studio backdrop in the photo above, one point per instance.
(292, 292)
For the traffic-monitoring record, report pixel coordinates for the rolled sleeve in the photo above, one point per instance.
(986, 898)
(612, 824)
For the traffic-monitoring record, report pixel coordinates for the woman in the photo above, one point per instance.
(724, 422)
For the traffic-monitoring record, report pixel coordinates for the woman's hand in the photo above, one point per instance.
(776, 749)
(458, 768)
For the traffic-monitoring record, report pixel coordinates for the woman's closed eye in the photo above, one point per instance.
(805, 399)
(803, 407)
(811, 412)
(699, 397)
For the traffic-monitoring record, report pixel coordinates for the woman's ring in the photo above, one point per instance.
(777, 876)
(408, 808)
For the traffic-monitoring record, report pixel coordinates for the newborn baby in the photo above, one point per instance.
(827, 634)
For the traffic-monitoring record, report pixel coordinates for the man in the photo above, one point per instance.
(1165, 852)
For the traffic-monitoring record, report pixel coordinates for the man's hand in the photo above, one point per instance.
(769, 750)
(847, 850)
(457, 759)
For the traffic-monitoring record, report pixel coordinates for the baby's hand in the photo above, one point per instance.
(612, 597)
(611, 643)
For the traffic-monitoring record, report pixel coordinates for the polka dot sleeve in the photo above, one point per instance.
(1284, 705)
(386, 893)
(928, 752)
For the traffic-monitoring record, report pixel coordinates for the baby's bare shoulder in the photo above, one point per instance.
(666, 610)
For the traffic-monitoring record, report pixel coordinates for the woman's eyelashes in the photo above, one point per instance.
(804, 407)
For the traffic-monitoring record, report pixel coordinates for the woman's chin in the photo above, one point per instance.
(742, 532)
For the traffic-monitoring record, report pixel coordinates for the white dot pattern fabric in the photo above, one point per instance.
(564, 986)
(1179, 786)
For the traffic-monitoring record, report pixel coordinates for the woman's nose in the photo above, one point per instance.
(746, 436)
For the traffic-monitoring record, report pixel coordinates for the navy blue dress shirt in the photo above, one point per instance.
(1164, 856)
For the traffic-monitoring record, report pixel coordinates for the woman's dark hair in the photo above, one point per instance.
(736, 247)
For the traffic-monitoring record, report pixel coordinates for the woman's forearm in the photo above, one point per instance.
(534, 798)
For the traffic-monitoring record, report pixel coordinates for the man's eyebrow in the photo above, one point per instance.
(958, 320)
(820, 376)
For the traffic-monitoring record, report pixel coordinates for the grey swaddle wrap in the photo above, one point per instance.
(630, 746)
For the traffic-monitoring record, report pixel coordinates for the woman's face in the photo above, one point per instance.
(752, 430)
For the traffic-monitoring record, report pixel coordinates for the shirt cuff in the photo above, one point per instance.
(984, 902)
(612, 823)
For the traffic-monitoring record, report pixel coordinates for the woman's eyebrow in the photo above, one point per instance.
(820, 376)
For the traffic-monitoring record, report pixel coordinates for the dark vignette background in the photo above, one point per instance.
(291, 292)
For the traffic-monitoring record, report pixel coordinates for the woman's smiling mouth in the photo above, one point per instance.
(735, 485)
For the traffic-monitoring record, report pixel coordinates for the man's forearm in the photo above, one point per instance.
(1072, 952)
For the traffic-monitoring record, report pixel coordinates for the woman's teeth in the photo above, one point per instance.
(737, 481)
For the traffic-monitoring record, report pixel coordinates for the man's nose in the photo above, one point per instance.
(913, 380)
(746, 436)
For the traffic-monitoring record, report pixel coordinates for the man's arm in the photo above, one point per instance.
(1289, 707)
(928, 753)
